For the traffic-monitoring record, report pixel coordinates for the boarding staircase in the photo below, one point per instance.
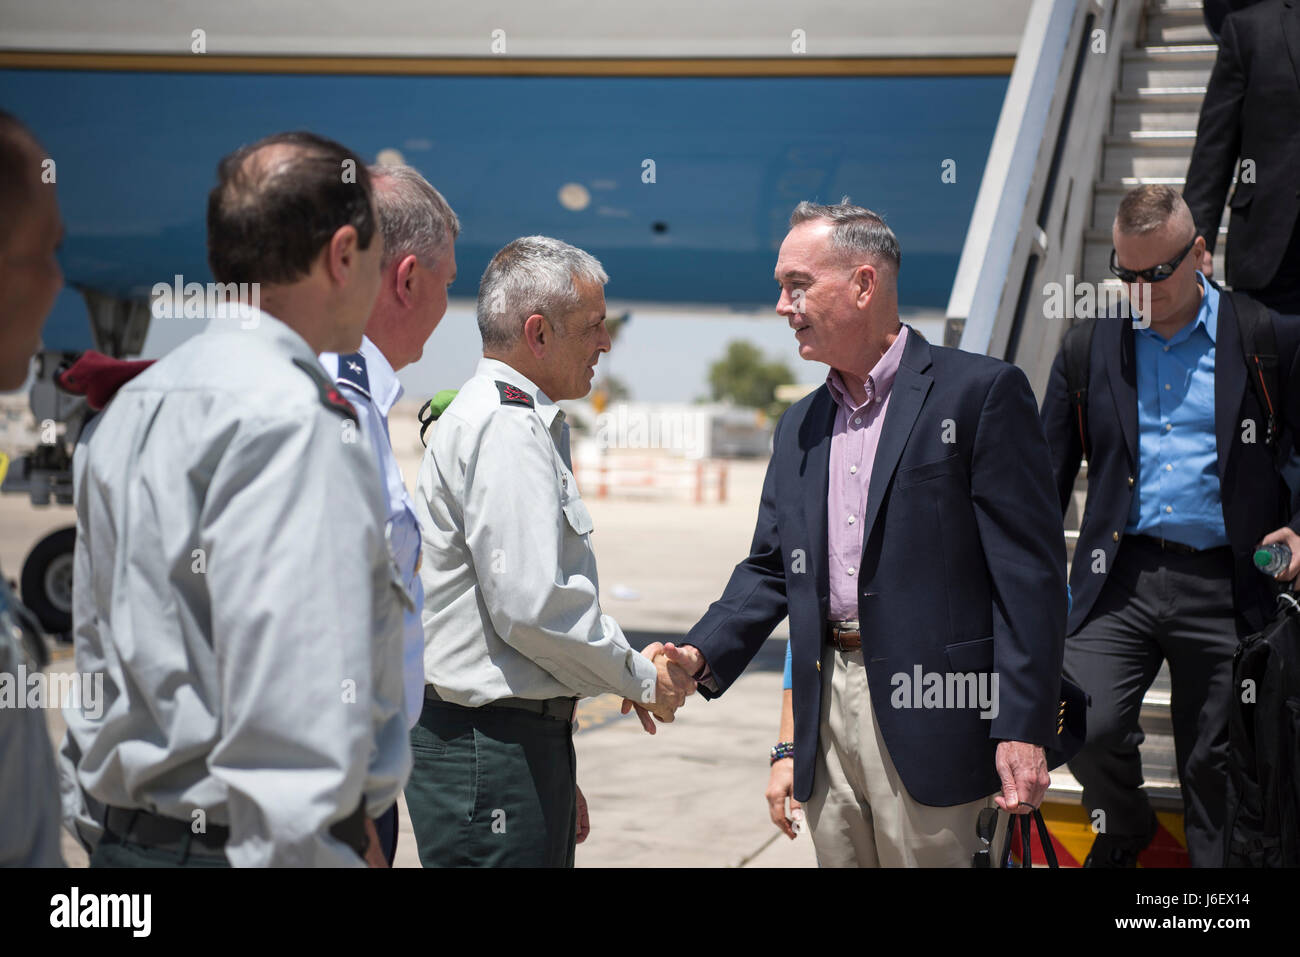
(1080, 128)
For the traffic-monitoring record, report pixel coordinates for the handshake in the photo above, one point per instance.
(674, 667)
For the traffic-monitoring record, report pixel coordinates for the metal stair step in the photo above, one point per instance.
(1176, 136)
(1162, 94)
(1144, 158)
(1182, 26)
(1181, 18)
(1169, 66)
(1210, 49)
(1142, 114)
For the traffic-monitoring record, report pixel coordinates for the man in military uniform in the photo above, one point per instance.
(418, 265)
(30, 279)
(231, 580)
(512, 622)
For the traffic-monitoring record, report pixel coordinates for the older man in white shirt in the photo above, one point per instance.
(418, 264)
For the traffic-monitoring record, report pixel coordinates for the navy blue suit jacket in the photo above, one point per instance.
(963, 570)
(1254, 495)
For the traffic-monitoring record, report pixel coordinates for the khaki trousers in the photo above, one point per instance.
(860, 814)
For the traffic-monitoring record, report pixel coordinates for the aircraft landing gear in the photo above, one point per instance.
(47, 581)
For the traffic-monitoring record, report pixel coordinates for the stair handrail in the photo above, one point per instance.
(1035, 197)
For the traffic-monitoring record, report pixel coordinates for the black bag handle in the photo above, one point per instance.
(1026, 855)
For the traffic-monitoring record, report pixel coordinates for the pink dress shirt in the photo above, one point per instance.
(853, 450)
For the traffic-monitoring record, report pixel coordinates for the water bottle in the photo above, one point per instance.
(1272, 559)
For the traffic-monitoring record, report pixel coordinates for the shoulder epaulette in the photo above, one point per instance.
(352, 372)
(330, 397)
(513, 395)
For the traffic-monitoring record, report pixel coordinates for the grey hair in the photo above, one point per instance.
(855, 230)
(532, 274)
(413, 216)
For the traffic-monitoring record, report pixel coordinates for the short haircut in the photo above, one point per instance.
(533, 274)
(20, 159)
(855, 230)
(271, 213)
(1148, 208)
(413, 216)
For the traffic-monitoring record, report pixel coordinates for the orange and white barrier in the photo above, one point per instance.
(703, 480)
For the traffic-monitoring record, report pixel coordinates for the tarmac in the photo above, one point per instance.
(691, 795)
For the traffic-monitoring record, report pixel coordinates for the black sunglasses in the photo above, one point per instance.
(1157, 273)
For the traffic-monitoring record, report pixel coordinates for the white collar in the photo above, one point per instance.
(385, 389)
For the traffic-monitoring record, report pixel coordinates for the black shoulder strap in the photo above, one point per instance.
(426, 417)
(1077, 347)
(1259, 347)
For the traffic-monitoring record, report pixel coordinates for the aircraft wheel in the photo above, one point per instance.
(47, 580)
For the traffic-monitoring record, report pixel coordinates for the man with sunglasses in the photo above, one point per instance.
(1182, 486)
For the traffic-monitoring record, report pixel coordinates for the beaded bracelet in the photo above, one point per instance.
(783, 749)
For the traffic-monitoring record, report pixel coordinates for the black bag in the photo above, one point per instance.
(985, 825)
(1263, 823)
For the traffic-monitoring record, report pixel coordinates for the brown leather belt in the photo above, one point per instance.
(844, 635)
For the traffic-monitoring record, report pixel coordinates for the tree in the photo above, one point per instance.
(746, 377)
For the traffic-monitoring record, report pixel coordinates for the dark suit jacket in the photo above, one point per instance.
(1214, 12)
(1251, 110)
(963, 569)
(1255, 499)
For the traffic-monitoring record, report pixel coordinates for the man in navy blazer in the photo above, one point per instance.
(909, 527)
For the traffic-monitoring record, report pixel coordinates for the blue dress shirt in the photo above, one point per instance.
(374, 401)
(1177, 493)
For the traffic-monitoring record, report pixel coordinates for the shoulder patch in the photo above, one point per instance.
(330, 397)
(513, 395)
(352, 372)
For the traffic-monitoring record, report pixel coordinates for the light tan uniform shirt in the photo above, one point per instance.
(511, 599)
(233, 585)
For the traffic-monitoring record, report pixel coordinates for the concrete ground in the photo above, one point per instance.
(691, 795)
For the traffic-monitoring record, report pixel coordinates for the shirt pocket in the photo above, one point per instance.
(575, 511)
